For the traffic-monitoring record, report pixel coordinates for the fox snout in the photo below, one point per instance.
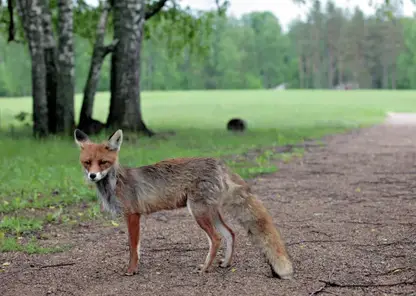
(95, 176)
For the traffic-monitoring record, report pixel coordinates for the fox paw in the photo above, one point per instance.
(284, 270)
(224, 264)
(200, 269)
(131, 271)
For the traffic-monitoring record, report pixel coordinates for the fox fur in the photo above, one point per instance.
(204, 185)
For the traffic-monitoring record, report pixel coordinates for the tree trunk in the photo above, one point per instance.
(12, 26)
(340, 72)
(307, 72)
(385, 80)
(31, 14)
(66, 65)
(125, 111)
(316, 67)
(86, 122)
(51, 86)
(393, 77)
(51, 66)
(301, 71)
(331, 69)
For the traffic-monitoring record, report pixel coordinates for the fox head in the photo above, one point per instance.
(98, 159)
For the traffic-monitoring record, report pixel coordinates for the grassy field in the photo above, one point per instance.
(42, 181)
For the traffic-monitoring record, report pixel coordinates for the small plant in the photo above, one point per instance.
(20, 225)
(94, 211)
(52, 217)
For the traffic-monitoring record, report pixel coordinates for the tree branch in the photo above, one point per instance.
(221, 7)
(110, 47)
(57, 265)
(368, 285)
(329, 283)
(154, 9)
(12, 29)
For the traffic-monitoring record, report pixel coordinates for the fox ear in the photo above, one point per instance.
(115, 140)
(80, 138)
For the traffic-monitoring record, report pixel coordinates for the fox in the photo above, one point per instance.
(204, 185)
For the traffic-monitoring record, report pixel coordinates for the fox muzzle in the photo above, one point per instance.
(96, 176)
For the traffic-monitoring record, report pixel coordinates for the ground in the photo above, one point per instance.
(347, 211)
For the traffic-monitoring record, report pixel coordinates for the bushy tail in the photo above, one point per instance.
(255, 218)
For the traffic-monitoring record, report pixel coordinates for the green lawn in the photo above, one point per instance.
(262, 108)
(45, 177)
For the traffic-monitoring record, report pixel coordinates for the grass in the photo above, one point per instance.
(11, 244)
(45, 176)
(20, 225)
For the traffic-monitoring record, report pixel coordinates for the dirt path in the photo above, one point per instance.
(346, 210)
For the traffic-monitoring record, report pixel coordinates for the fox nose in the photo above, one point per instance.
(92, 176)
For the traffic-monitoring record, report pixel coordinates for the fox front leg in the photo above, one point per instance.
(133, 226)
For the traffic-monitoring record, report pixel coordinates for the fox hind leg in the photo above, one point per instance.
(229, 236)
(205, 220)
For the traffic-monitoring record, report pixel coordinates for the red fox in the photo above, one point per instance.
(206, 186)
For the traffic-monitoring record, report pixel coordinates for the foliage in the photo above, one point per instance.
(247, 53)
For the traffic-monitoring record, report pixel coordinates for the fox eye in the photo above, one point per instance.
(88, 162)
(103, 162)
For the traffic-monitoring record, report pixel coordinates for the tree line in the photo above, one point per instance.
(184, 49)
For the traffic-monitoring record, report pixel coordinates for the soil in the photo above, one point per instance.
(347, 211)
